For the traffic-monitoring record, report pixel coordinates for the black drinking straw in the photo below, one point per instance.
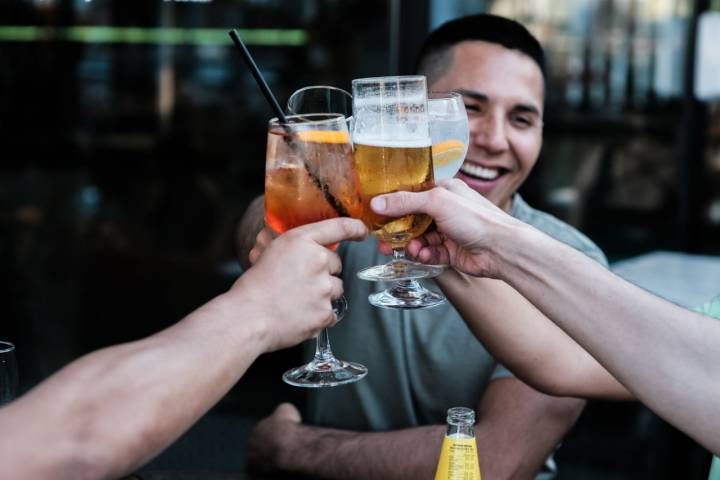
(257, 75)
(334, 203)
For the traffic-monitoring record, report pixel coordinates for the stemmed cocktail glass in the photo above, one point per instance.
(310, 177)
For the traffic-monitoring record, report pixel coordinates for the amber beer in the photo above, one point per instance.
(297, 176)
(392, 167)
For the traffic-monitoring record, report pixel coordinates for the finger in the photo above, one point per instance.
(415, 246)
(462, 189)
(255, 254)
(262, 240)
(434, 238)
(429, 239)
(385, 248)
(264, 237)
(434, 255)
(334, 230)
(330, 322)
(336, 287)
(334, 264)
(398, 204)
(459, 187)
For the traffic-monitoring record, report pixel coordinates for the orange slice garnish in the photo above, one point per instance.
(447, 151)
(324, 136)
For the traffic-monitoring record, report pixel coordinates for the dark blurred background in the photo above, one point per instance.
(132, 138)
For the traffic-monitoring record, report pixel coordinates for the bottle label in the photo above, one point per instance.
(458, 460)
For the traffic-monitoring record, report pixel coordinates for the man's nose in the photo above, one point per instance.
(489, 133)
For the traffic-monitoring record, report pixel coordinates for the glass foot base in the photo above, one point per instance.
(411, 297)
(325, 373)
(397, 270)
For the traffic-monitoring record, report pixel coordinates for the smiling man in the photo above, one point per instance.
(502, 82)
(391, 424)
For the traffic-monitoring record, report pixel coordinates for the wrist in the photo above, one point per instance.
(511, 246)
(244, 315)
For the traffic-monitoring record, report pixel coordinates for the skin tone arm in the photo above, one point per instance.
(518, 428)
(665, 355)
(526, 341)
(112, 410)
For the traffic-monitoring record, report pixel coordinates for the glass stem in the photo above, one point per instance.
(406, 288)
(322, 347)
(398, 264)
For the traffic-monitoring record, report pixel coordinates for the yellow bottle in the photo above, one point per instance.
(458, 456)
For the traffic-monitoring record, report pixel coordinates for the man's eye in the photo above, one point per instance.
(472, 108)
(523, 121)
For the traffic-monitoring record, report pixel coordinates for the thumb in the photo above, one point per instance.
(288, 412)
(327, 232)
(398, 204)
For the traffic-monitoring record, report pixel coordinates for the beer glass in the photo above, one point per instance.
(309, 177)
(8, 373)
(449, 133)
(393, 152)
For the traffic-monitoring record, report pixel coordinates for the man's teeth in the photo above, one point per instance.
(481, 172)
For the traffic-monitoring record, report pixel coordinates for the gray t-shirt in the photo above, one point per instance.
(420, 362)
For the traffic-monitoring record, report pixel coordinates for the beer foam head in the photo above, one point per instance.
(390, 101)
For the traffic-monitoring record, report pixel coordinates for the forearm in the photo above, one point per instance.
(250, 225)
(667, 356)
(114, 409)
(526, 341)
(333, 454)
(519, 427)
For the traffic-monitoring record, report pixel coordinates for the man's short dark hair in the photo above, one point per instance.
(433, 61)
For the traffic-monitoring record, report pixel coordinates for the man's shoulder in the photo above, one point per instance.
(557, 229)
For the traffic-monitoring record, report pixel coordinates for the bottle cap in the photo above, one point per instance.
(461, 416)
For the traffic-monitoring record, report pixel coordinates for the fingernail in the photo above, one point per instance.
(378, 204)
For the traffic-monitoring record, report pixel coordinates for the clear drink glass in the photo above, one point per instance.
(310, 176)
(8, 373)
(320, 99)
(393, 153)
(449, 132)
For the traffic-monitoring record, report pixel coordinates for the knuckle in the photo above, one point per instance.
(346, 226)
(318, 258)
(456, 182)
(435, 194)
(337, 287)
(326, 287)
